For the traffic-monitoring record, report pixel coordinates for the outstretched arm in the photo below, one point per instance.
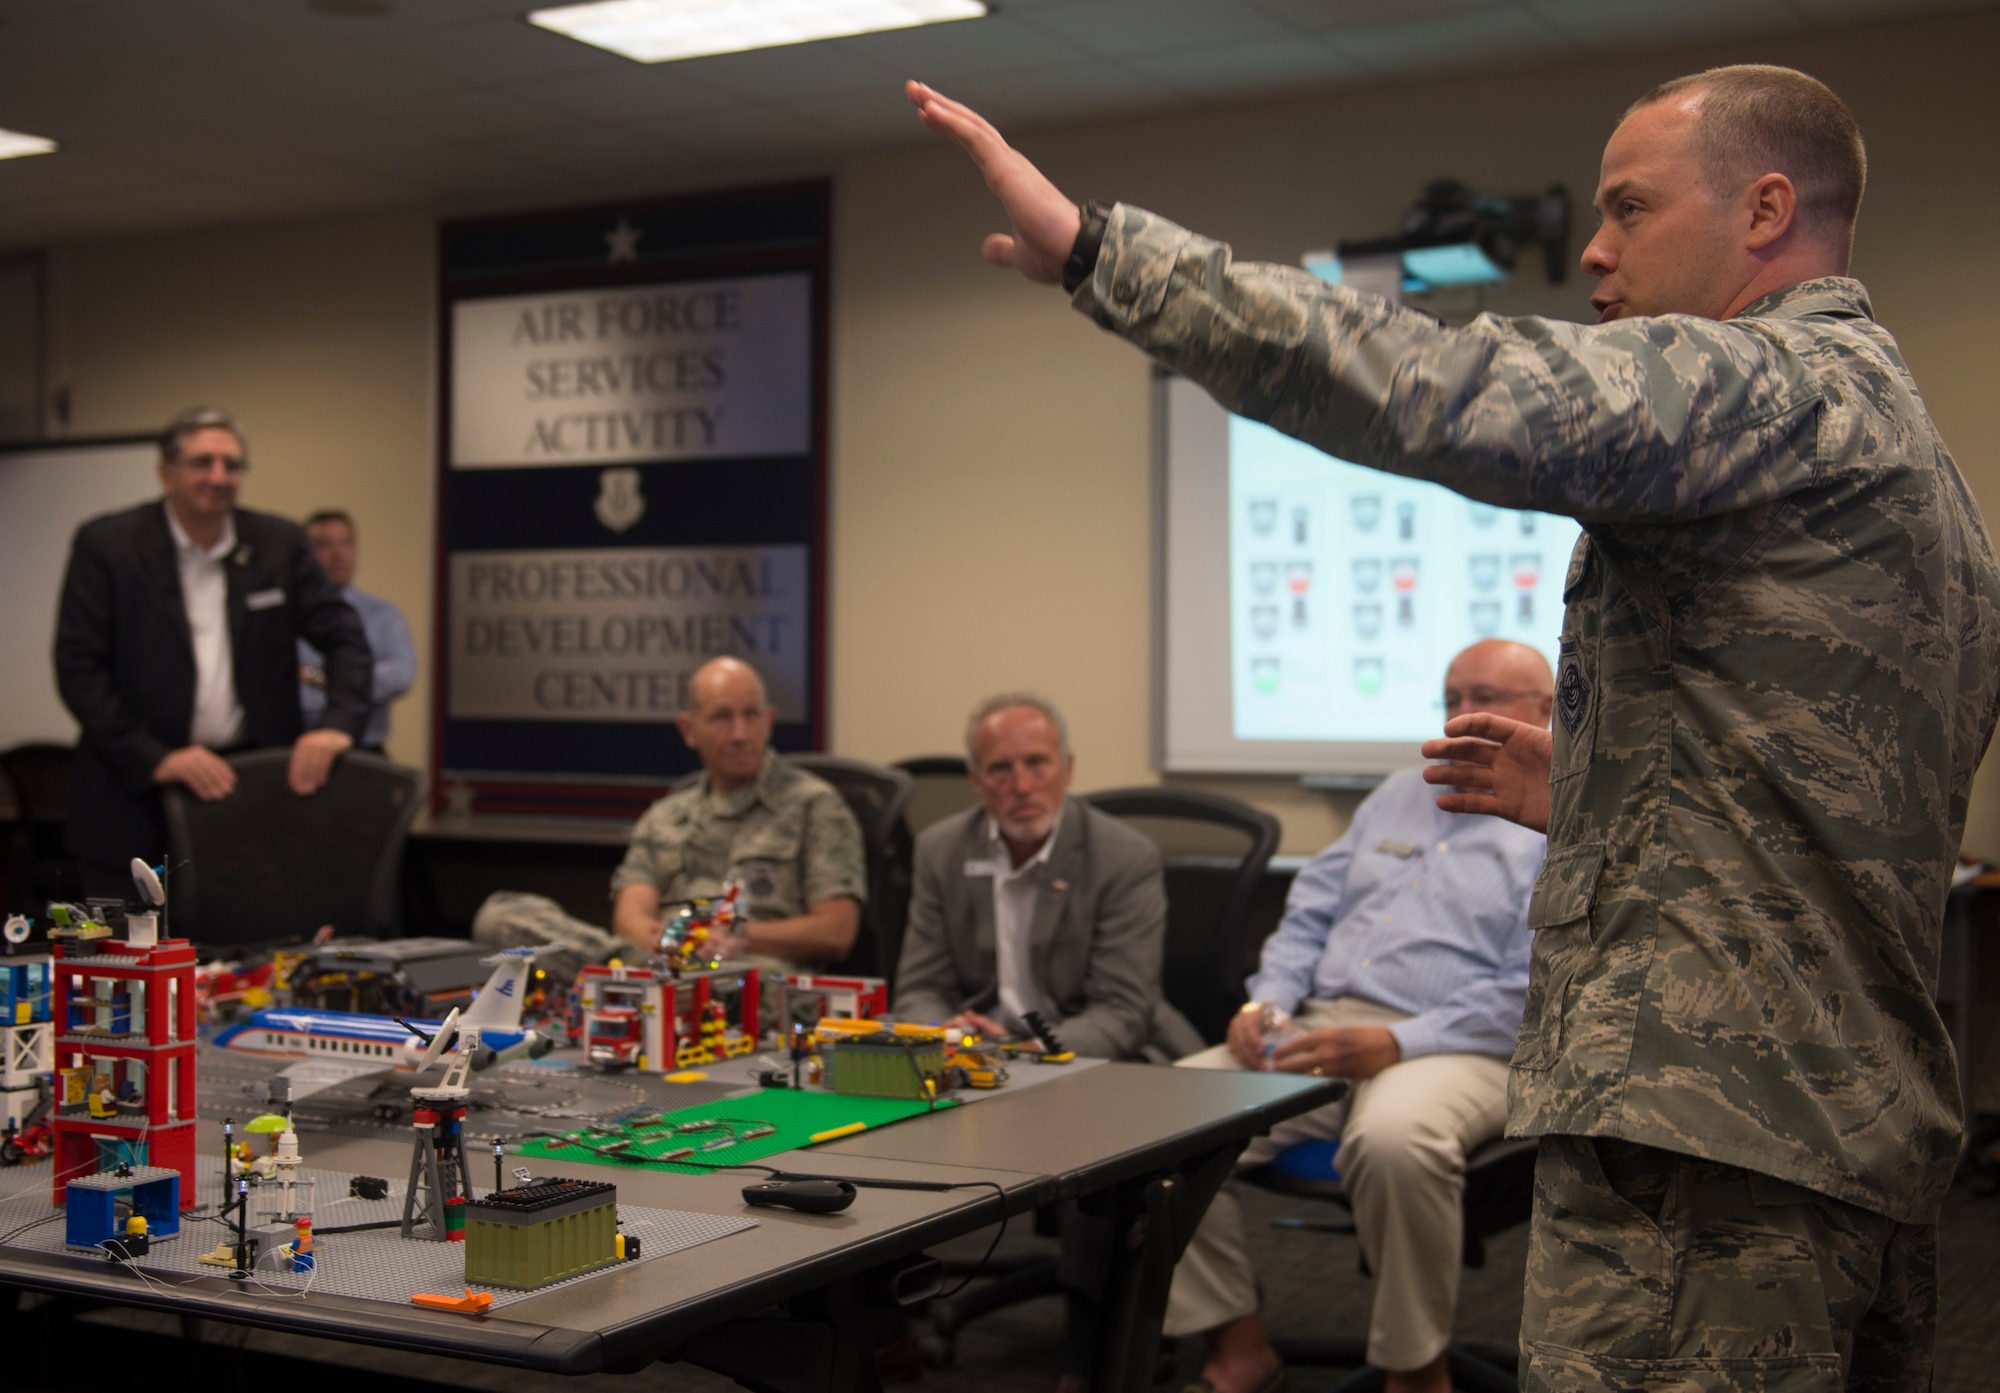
(1497, 766)
(1044, 223)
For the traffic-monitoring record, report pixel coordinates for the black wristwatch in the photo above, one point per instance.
(1089, 241)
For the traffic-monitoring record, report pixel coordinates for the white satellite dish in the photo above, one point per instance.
(150, 889)
(18, 928)
(442, 1041)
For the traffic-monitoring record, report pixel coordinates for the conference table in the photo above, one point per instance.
(798, 1301)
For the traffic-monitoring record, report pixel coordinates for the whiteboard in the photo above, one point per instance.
(46, 492)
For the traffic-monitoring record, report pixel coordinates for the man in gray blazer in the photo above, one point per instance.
(1035, 902)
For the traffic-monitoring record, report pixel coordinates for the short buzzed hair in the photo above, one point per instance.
(331, 515)
(1005, 701)
(1754, 119)
(199, 418)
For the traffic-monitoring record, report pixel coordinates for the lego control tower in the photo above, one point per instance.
(124, 1052)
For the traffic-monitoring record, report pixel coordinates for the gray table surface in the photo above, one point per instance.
(1070, 1136)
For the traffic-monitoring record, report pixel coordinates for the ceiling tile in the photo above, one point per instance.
(1452, 41)
(938, 52)
(1606, 26)
(796, 70)
(1835, 12)
(1116, 28)
(500, 50)
(1348, 14)
(1243, 69)
(1025, 100)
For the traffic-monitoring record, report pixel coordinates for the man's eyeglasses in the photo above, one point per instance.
(201, 464)
(1482, 696)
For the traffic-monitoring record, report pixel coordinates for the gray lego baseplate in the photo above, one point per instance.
(380, 1265)
(507, 1102)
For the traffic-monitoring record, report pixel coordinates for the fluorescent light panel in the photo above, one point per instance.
(13, 145)
(662, 31)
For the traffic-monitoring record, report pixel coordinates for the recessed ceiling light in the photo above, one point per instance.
(660, 31)
(13, 145)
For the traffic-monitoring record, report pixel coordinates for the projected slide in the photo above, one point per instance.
(1350, 590)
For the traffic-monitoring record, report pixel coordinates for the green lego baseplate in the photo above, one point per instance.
(795, 1116)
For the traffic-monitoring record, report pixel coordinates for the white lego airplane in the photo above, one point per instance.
(330, 1047)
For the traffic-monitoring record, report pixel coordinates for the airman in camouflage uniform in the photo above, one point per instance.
(785, 836)
(789, 839)
(1778, 673)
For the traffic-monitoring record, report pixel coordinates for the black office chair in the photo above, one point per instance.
(877, 795)
(265, 865)
(1499, 1194)
(1216, 849)
(39, 866)
(940, 789)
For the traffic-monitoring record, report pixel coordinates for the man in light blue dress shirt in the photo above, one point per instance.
(332, 536)
(1402, 963)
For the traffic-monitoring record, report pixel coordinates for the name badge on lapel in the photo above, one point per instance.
(264, 599)
(1396, 848)
(982, 867)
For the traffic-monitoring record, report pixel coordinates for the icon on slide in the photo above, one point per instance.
(1485, 568)
(1367, 510)
(1406, 521)
(1367, 620)
(1527, 568)
(1301, 516)
(1485, 618)
(1264, 675)
(1263, 515)
(1403, 573)
(1483, 514)
(1264, 575)
(1264, 622)
(1298, 576)
(1527, 524)
(1298, 611)
(1368, 676)
(1367, 575)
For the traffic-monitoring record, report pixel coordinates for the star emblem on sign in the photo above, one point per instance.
(621, 242)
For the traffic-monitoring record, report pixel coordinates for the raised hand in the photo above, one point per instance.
(1498, 766)
(1044, 222)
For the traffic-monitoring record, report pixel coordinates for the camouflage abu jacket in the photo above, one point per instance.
(788, 837)
(1779, 669)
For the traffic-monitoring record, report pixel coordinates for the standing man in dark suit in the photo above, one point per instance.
(1034, 902)
(176, 642)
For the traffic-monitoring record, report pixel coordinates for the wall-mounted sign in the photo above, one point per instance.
(608, 634)
(633, 475)
(711, 369)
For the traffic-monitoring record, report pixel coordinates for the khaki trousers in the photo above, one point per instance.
(1403, 1135)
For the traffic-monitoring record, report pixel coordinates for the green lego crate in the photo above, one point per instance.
(885, 1066)
(535, 1234)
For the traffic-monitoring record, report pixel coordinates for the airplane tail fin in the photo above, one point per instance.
(498, 1005)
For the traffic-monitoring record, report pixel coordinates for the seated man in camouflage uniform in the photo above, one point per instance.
(786, 836)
